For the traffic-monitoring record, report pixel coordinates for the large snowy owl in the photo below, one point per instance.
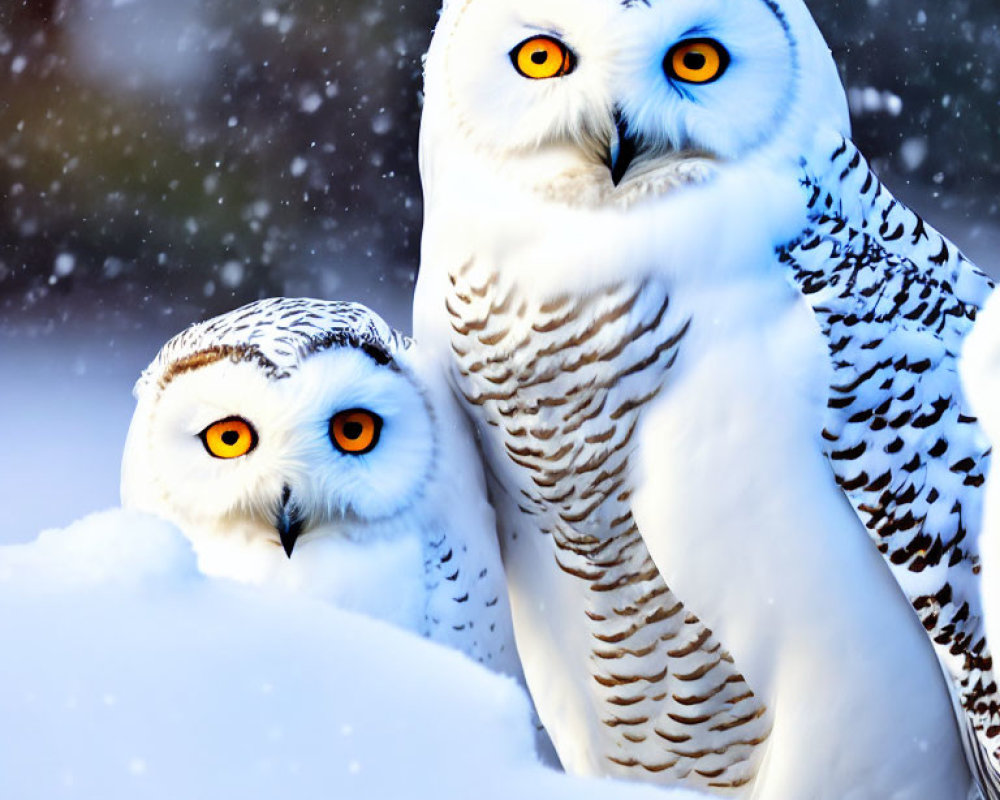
(713, 366)
(299, 443)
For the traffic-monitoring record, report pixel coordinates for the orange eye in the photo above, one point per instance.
(696, 61)
(542, 57)
(229, 438)
(356, 431)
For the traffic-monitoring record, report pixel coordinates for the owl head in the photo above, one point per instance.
(614, 90)
(283, 419)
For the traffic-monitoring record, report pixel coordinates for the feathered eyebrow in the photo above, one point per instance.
(341, 338)
(212, 355)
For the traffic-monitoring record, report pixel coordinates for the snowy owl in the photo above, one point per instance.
(713, 367)
(298, 443)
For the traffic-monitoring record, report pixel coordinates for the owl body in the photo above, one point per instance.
(571, 418)
(373, 525)
(685, 373)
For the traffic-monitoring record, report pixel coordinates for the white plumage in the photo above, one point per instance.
(306, 445)
(713, 364)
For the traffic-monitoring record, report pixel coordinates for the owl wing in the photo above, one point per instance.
(466, 594)
(895, 301)
(467, 605)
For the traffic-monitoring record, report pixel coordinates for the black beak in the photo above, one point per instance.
(288, 523)
(621, 149)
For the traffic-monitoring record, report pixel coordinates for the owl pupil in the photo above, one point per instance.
(539, 57)
(229, 438)
(695, 61)
(352, 430)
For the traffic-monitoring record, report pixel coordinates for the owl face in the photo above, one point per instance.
(227, 440)
(633, 86)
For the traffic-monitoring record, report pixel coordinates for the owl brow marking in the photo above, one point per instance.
(372, 349)
(241, 353)
(212, 355)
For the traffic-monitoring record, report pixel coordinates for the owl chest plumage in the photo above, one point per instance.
(558, 386)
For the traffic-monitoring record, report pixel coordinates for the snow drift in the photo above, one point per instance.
(126, 673)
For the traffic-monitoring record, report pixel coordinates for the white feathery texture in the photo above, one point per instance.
(128, 673)
(402, 532)
(676, 353)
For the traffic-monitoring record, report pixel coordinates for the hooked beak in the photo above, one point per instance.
(288, 522)
(622, 148)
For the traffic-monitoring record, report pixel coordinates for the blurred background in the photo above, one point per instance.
(166, 160)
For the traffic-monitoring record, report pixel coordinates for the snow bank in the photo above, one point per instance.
(125, 673)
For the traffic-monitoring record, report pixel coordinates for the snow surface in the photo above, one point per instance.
(128, 674)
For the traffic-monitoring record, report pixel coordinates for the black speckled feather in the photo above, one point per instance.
(896, 300)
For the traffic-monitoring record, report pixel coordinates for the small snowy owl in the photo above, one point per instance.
(298, 443)
(713, 366)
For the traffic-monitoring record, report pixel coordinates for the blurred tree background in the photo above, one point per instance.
(163, 160)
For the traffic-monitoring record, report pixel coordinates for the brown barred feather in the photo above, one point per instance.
(558, 399)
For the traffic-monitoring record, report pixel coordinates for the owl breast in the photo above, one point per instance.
(560, 383)
(557, 386)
